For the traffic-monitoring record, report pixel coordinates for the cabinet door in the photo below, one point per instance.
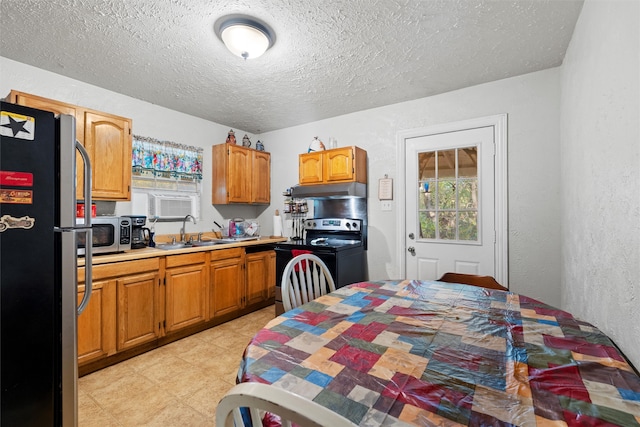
(261, 277)
(137, 318)
(97, 323)
(107, 139)
(338, 165)
(186, 292)
(261, 177)
(239, 170)
(310, 168)
(57, 107)
(271, 274)
(227, 286)
(54, 106)
(257, 281)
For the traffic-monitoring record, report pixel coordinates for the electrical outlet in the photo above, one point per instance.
(386, 205)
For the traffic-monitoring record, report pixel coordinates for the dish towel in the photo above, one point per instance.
(295, 253)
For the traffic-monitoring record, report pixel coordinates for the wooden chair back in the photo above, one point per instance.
(259, 398)
(305, 278)
(471, 279)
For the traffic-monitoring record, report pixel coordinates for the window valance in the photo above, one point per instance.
(166, 159)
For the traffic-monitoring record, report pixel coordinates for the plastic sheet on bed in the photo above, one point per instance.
(432, 353)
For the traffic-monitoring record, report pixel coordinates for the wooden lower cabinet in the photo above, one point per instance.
(227, 281)
(186, 282)
(261, 277)
(138, 319)
(138, 305)
(97, 323)
(123, 311)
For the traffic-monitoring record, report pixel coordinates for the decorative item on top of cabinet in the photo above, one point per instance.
(231, 137)
(344, 164)
(240, 175)
(107, 139)
(246, 141)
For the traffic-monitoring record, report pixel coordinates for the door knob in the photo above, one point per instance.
(412, 236)
(412, 250)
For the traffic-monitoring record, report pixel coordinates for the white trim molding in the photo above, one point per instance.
(499, 124)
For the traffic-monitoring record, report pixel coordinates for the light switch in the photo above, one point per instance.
(386, 205)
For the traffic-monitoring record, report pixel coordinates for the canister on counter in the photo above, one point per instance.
(80, 210)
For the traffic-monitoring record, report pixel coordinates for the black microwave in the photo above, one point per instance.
(111, 234)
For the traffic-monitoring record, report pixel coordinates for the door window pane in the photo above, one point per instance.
(427, 165)
(446, 164)
(468, 226)
(426, 199)
(447, 225)
(428, 225)
(468, 162)
(448, 194)
(468, 194)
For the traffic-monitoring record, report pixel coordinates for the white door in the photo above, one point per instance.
(450, 206)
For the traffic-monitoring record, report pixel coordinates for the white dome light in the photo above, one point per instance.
(244, 36)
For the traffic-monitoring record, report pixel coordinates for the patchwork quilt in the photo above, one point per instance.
(427, 353)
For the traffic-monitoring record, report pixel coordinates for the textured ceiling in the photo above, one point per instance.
(331, 57)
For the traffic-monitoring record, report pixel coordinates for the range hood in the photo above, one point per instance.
(330, 191)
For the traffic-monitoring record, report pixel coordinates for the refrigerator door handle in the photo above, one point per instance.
(88, 255)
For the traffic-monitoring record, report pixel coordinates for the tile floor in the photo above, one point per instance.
(178, 384)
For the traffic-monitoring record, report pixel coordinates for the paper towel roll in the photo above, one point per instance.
(277, 225)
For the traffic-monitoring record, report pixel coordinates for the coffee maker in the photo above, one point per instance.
(140, 234)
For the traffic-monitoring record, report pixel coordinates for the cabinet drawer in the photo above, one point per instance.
(186, 259)
(124, 268)
(226, 253)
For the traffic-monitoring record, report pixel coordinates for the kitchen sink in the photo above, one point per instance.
(169, 246)
(238, 239)
(207, 243)
(180, 245)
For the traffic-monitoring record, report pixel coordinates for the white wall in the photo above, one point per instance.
(148, 120)
(532, 104)
(601, 172)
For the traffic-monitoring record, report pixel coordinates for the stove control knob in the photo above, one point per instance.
(311, 224)
(348, 225)
(355, 225)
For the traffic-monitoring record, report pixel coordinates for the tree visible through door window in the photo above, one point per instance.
(448, 194)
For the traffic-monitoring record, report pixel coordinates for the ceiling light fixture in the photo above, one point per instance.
(244, 36)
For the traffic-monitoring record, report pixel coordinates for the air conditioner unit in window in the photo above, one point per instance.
(173, 206)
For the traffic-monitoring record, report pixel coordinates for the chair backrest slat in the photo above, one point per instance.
(260, 398)
(305, 278)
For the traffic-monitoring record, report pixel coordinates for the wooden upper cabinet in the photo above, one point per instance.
(311, 168)
(240, 175)
(52, 105)
(261, 177)
(107, 139)
(347, 164)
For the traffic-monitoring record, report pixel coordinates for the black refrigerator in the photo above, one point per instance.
(38, 267)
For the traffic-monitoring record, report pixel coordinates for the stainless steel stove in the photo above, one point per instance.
(339, 242)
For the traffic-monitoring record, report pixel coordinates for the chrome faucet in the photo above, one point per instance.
(183, 236)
